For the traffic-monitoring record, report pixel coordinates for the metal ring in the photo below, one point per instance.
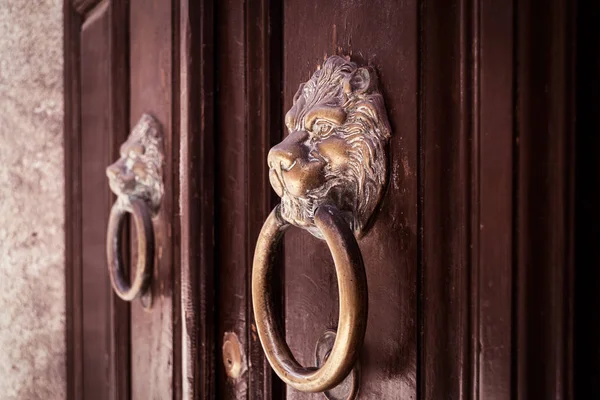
(145, 240)
(352, 284)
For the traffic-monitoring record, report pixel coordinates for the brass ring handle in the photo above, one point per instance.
(353, 302)
(145, 244)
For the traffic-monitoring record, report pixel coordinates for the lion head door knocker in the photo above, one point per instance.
(136, 179)
(330, 172)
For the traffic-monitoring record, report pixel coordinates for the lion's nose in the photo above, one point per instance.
(284, 155)
(112, 171)
(281, 159)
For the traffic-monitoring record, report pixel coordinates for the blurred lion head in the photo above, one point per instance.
(137, 173)
(335, 151)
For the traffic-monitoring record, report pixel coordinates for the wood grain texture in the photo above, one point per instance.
(96, 151)
(248, 122)
(197, 168)
(446, 162)
(383, 34)
(120, 364)
(73, 239)
(230, 194)
(154, 333)
(263, 120)
(492, 199)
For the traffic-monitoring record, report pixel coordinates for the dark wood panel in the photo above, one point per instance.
(155, 334)
(230, 196)
(447, 214)
(492, 198)
(73, 239)
(119, 130)
(263, 43)
(248, 122)
(544, 225)
(196, 121)
(96, 154)
(385, 35)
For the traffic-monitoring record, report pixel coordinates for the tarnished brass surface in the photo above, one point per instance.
(352, 286)
(331, 173)
(136, 179)
(348, 389)
(335, 150)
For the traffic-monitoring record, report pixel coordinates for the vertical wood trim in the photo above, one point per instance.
(471, 47)
(74, 309)
(448, 156)
(120, 366)
(196, 100)
(248, 121)
(117, 358)
(492, 289)
(176, 201)
(544, 256)
(263, 48)
(230, 194)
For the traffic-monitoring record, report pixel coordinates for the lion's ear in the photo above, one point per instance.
(360, 81)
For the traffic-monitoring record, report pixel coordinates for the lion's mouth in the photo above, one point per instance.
(296, 210)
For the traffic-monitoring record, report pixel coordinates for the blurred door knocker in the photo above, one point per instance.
(136, 179)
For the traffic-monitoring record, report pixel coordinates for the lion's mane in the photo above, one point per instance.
(340, 83)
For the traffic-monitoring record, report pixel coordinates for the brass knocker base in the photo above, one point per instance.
(349, 387)
(352, 284)
(142, 219)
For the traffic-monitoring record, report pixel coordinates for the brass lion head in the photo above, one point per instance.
(138, 172)
(335, 151)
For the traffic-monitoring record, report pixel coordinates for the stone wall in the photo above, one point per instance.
(32, 289)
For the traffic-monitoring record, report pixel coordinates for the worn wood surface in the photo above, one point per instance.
(118, 132)
(263, 30)
(231, 245)
(96, 151)
(447, 215)
(480, 260)
(492, 199)
(194, 111)
(248, 122)
(73, 239)
(153, 333)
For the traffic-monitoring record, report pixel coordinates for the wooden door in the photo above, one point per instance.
(478, 257)
(119, 66)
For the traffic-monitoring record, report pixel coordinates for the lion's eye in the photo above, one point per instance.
(323, 128)
(136, 150)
